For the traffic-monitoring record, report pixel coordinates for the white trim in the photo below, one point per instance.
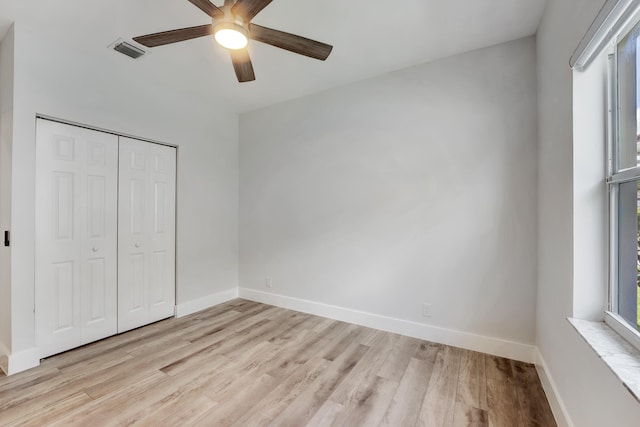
(618, 324)
(14, 363)
(553, 396)
(203, 303)
(613, 18)
(480, 343)
(99, 129)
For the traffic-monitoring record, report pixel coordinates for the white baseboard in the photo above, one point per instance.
(480, 343)
(203, 303)
(14, 363)
(555, 401)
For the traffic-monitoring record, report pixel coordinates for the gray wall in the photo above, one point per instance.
(416, 186)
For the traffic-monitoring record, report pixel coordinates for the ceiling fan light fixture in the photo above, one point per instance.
(231, 35)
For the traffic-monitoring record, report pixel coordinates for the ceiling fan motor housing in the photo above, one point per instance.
(231, 21)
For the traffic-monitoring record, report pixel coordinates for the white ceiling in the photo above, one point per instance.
(369, 38)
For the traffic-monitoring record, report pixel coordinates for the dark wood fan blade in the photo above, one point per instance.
(290, 42)
(174, 36)
(242, 65)
(207, 7)
(247, 9)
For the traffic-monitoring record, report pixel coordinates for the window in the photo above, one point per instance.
(623, 181)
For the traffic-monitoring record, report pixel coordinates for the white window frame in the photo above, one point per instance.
(613, 179)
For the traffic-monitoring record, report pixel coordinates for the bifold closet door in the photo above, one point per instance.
(146, 233)
(76, 236)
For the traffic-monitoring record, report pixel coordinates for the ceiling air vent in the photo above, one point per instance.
(128, 49)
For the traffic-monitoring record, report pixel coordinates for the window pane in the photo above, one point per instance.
(628, 96)
(629, 252)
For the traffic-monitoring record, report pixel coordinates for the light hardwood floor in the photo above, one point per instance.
(244, 363)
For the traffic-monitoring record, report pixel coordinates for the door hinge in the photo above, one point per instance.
(7, 242)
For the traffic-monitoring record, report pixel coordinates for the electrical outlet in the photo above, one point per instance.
(269, 282)
(426, 310)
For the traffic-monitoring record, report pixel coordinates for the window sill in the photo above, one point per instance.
(618, 354)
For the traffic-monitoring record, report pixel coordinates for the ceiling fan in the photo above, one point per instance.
(232, 28)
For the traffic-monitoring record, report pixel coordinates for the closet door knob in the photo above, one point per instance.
(137, 245)
(94, 249)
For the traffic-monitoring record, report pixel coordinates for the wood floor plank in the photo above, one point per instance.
(112, 344)
(238, 400)
(245, 363)
(368, 335)
(202, 349)
(285, 394)
(426, 350)
(290, 328)
(533, 402)
(27, 407)
(124, 374)
(298, 356)
(469, 416)
(113, 406)
(499, 368)
(244, 305)
(405, 405)
(504, 407)
(399, 359)
(191, 359)
(341, 341)
(258, 334)
(273, 359)
(174, 390)
(311, 322)
(439, 402)
(23, 384)
(326, 414)
(56, 387)
(365, 371)
(202, 328)
(323, 326)
(243, 321)
(45, 414)
(472, 380)
(368, 405)
(227, 377)
(304, 407)
(32, 376)
(103, 361)
(140, 399)
(177, 409)
(333, 329)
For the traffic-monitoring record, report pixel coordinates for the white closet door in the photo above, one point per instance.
(76, 236)
(146, 233)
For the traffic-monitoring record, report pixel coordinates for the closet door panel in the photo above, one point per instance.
(146, 234)
(100, 244)
(76, 224)
(162, 233)
(132, 235)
